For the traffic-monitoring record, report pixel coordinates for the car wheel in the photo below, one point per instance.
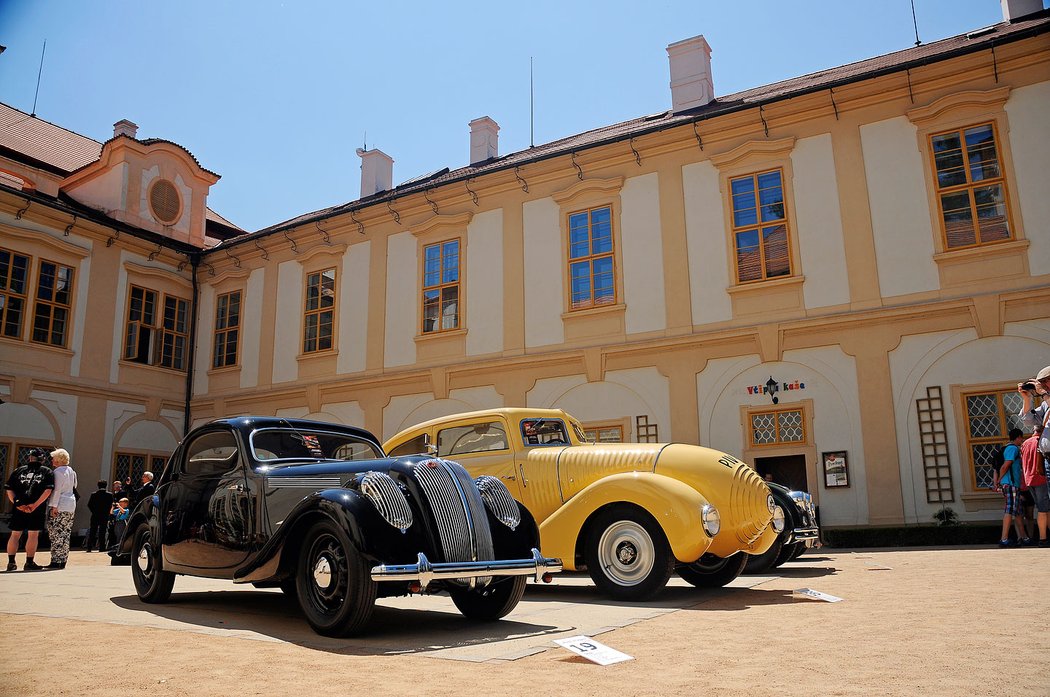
(800, 549)
(627, 554)
(759, 563)
(491, 603)
(789, 552)
(152, 583)
(333, 585)
(711, 571)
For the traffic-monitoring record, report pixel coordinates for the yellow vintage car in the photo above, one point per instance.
(631, 514)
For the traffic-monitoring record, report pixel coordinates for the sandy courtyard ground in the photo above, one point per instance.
(954, 622)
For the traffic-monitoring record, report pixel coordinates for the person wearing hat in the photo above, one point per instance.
(1035, 409)
(28, 489)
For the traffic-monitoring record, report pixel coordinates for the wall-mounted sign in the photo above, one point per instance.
(772, 386)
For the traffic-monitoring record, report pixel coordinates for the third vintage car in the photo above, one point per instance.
(318, 510)
(631, 514)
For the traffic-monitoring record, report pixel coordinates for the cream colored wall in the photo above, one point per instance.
(408, 410)
(544, 274)
(288, 329)
(108, 191)
(643, 266)
(630, 393)
(831, 384)
(900, 213)
(353, 308)
(484, 283)
(708, 253)
(956, 358)
(83, 281)
(820, 236)
(25, 422)
(205, 338)
(349, 413)
(251, 329)
(1028, 109)
(402, 300)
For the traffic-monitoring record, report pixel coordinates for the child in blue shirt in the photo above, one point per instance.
(1009, 478)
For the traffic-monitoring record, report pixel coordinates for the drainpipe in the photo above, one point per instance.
(194, 312)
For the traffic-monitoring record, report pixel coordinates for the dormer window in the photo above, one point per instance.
(164, 201)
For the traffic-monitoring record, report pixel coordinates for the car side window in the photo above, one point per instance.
(474, 438)
(211, 454)
(415, 446)
(544, 432)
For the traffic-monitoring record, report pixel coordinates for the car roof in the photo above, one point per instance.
(256, 422)
(510, 413)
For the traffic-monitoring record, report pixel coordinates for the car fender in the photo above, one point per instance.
(344, 507)
(675, 506)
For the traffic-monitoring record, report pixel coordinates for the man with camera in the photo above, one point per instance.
(1035, 412)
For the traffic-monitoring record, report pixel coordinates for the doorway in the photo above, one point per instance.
(787, 470)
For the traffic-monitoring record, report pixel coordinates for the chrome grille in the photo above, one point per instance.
(459, 514)
(748, 495)
(381, 490)
(498, 500)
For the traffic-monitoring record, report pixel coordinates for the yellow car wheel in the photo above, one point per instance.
(627, 554)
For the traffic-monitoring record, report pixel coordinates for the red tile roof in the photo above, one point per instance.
(61, 149)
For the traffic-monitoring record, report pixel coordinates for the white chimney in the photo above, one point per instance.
(377, 171)
(1015, 9)
(484, 139)
(691, 83)
(125, 128)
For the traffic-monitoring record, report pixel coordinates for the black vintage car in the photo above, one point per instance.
(318, 510)
(800, 530)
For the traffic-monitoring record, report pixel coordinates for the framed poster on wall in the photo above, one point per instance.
(836, 468)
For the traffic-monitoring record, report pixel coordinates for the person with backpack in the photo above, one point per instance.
(1008, 479)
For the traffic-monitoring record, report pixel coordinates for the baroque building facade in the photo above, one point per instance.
(840, 278)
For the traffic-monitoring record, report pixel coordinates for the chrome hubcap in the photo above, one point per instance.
(626, 553)
(144, 559)
(323, 573)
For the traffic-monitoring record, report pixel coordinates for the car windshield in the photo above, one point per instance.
(544, 432)
(275, 444)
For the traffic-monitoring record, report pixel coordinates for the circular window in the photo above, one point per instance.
(164, 201)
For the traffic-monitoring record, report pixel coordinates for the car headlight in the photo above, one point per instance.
(710, 519)
(778, 520)
(770, 503)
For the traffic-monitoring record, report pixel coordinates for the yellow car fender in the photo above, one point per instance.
(764, 541)
(674, 505)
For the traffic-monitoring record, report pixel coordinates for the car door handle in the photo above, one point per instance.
(507, 477)
(524, 481)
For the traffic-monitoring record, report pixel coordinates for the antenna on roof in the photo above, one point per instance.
(532, 108)
(364, 145)
(38, 72)
(915, 23)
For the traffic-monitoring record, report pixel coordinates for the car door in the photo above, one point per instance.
(483, 447)
(206, 509)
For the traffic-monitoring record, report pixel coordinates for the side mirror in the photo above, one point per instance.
(431, 448)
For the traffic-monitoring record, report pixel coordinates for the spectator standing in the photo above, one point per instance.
(28, 488)
(100, 504)
(142, 492)
(1009, 479)
(61, 508)
(1035, 479)
(1035, 410)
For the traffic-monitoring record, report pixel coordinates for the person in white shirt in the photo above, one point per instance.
(1035, 408)
(61, 507)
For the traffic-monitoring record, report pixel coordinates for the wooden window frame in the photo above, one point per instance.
(970, 186)
(222, 338)
(591, 257)
(590, 428)
(777, 442)
(53, 306)
(969, 442)
(6, 292)
(320, 311)
(160, 335)
(441, 286)
(759, 225)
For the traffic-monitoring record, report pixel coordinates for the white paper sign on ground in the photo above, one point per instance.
(593, 650)
(815, 595)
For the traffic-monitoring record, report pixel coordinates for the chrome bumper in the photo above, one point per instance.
(425, 571)
(808, 535)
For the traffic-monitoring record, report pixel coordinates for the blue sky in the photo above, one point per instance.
(276, 96)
